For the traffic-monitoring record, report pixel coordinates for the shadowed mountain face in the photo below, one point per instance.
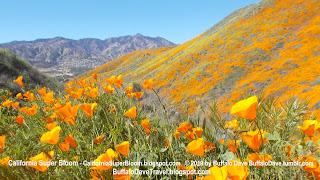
(61, 56)
(271, 47)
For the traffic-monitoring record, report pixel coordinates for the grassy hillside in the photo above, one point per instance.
(271, 47)
(12, 67)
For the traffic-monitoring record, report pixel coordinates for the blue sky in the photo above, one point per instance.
(175, 20)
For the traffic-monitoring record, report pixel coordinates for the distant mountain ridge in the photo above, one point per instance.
(64, 56)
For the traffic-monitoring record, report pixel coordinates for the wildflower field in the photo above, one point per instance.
(97, 120)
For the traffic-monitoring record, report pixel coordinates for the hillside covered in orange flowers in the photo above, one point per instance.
(271, 47)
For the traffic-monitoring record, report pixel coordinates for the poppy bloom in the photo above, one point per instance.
(131, 112)
(237, 171)
(48, 98)
(312, 164)
(231, 144)
(30, 96)
(48, 119)
(145, 123)
(77, 94)
(16, 105)
(177, 135)
(5, 161)
(102, 162)
(316, 173)
(128, 89)
(94, 76)
(167, 143)
(184, 127)
(196, 147)
(2, 142)
(148, 84)
(19, 95)
(93, 92)
(217, 173)
(118, 81)
(109, 89)
(255, 157)
(43, 91)
(197, 131)
(138, 94)
(189, 135)
(19, 81)
(131, 95)
(123, 148)
(309, 127)
(42, 157)
(51, 137)
(124, 174)
(70, 139)
(88, 108)
(98, 139)
(111, 80)
(253, 139)
(208, 146)
(50, 126)
(246, 108)
(64, 146)
(19, 119)
(234, 124)
(7, 103)
(221, 141)
(68, 112)
(31, 111)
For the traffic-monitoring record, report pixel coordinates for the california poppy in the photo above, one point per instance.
(145, 123)
(64, 146)
(124, 174)
(148, 84)
(208, 146)
(71, 141)
(138, 94)
(19, 81)
(131, 112)
(189, 135)
(16, 105)
(5, 161)
(131, 95)
(2, 142)
(123, 148)
(88, 108)
(237, 171)
(253, 139)
(93, 92)
(50, 126)
(19, 119)
(94, 76)
(29, 95)
(177, 135)
(30, 111)
(109, 89)
(183, 127)
(309, 127)
(43, 158)
(234, 124)
(102, 162)
(312, 164)
(197, 131)
(167, 143)
(98, 139)
(217, 173)
(246, 108)
(233, 145)
(221, 141)
(51, 137)
(19, 95)
(48, 119)
(255, 157)
(7, 103)
(68, 112)
(196, 147)
(128, 89)
(118, 81)
(77, 94)
(111, 80)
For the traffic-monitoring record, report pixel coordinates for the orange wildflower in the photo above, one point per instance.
(3, 98)
(312, 164)
(93, 93)
(43, 158)
(123, 174)
(231, 144)
(177, 135)
(70, 139)
(68, 112)
(167, 143)
(189, 135)
(131, 112)
(31, 111)
(237, 171)
(184, 127)
(234, 124)
(221, 141)
(42, 91)
(98, 139)
(208, 146)
(131, 95)
(19, 119)
(138, 94)
(309, 127)
(30, 96)
(82, 83)
(5, 161)
(2, 142)
(217, 173)
(19, 95)
(7, 103)
(148, 84)
(145, 123)
(123, 148)
(316, 173)
(19, 81)
(197, 131)
(111, 80)
(128, 89)
(255, 158)
(50, 126)
(196, 147)
(103, 160)
(77, 94)
(109, 89)
(64, 146)
(118, 81)
(51, 137)
(48, 98)
(246, 108)
(253, 139)
(48, 119)
(88, 108)
(16, 105)
(94, 76)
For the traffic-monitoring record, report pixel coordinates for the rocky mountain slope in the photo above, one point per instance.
(271, 47)
(61, 56)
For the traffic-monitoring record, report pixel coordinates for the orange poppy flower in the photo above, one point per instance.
(309, 127)
(83, 83)
(234, 124)
(217, 173)
(93, 92)
(70, 139)
(64, 146)
(128, 89)
(50, 126)
(312, 164)
(147, 131)
(2, 142)
(123, 174)
(5, 161)
(148, 84)
(138, 94)
(68, 112)
(7, 103)
(255, 157)
(43, 158)
(19, 95)
(316, 173)
(102, 162)
(98, 139)
(196, 147)
(30, 96)
(123, 148)
(131, 95)
(167, 143)
(221, 141)
(118, 81)
(48, 119)
(131, 112)
(183, 127)
(77, 94)
(253, 139)
(177, 135)
(197, 131)
(111, 80)
(48, 98)
(3, 98)
(88, 108)
(16, 105)
(109, 89)
(19, 81)
(43, 91)
(237, 171)
(189, 135)
(31, 111)
(19, 119)
(208, 146)
(94, 76)
(145, 123)
(51, 137)
(246, 108)
(231, 144)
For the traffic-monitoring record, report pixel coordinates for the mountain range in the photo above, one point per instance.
(66, 57)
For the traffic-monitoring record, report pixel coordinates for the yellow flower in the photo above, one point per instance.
(51, 137)
(217, 173)
(42, 157)
(237, 171)
(5, 161)
(196, 147)
(246, 108)
(148, 84)
(234, 124)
